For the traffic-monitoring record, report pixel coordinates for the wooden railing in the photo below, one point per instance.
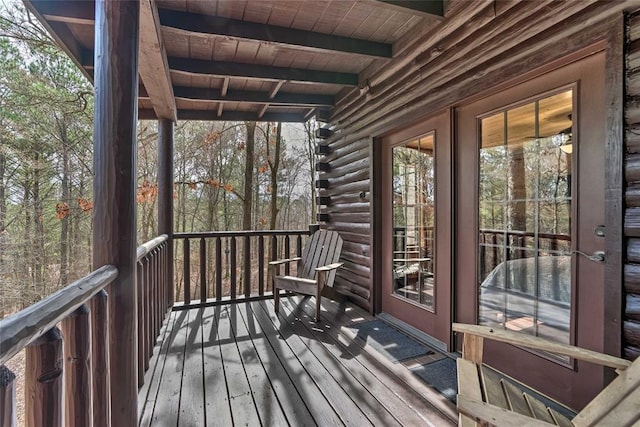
(493, 242)
(153, 297)
(232, 265)
(78, 352)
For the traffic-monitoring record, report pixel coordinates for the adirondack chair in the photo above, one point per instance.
(316, 268)
(486, 399)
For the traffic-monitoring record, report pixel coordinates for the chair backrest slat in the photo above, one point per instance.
(322, 249)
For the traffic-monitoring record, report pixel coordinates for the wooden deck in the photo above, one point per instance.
(241, 364)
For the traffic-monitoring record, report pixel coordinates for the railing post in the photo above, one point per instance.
(76, 329)
(261, 265)
(203, 270)
(246, 276)
(142, 315)
(187, 271)
(218, 268)
(233, 267)
(7, 398)
(100, 360)
(43, 381)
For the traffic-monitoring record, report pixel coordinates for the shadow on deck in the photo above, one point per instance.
(241, 364)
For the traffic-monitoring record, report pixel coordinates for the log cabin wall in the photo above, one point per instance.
(349, 212)
(480, 45)
(632, 175)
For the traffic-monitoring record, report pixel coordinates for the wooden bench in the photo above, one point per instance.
(484, 398)
(315, 268)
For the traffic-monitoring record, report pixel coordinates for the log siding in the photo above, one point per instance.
(631, 325)
(505, 45)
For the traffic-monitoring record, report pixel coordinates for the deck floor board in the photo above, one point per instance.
(241, 364)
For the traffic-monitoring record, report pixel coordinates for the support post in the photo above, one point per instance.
(114, 214)
(165, 196)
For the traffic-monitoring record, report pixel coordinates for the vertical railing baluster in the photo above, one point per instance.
(43, 380)
(261, 265)
(148, 321)
(142, 338)
(218, 268)
(156, 293)
(203, 270)
(274, 256)
(233, 267)
(100, 360)
(247, 265)
(287, 254)
(76, 330)
(7, 397)
(299, 246)
(187, 272)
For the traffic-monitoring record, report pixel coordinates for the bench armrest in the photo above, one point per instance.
(284, 261)
(543, 344)
(494, 415)
(330, 267)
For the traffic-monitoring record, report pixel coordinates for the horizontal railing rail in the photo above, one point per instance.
(146, 248)
(22, 328)
(227, 266)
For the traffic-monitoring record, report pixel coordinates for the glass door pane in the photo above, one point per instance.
(413, 204)
(524, 211)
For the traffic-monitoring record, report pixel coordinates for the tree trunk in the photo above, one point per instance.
(64, 222)
(274, 166)
(311, 157)
(39, 253)
(248, 176)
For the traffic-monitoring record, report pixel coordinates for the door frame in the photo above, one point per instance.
(442, 313)
(575, 388)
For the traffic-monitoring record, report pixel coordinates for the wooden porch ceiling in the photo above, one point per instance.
(269, 60)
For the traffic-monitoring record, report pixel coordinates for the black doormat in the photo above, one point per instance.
(393, 344)
(440, 375)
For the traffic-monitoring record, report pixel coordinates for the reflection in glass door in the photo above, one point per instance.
(525, 218)
(413, 204)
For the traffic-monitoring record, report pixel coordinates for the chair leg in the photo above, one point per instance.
(318, 299)
(276, 299)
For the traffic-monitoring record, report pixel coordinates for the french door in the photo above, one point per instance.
(415, 198)
(530, 210)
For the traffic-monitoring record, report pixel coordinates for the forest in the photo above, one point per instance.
(228, 175)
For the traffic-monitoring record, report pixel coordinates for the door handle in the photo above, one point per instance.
(597, 256)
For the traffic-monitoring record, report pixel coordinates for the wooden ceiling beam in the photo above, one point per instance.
(62, 35)
(153, 65)
(427, 8)
(228, 116)
(217, 26)
(262, 72)
(253, 97)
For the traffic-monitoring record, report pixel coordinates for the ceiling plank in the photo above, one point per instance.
(427, 8)
(263, 72)
(74, 12)
(253, 97)
(153, 65)
(228, 116)
(218, 26)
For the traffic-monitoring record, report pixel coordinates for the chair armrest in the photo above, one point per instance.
(284, 261)
(543, 344)
(495, 415)
(330, 267)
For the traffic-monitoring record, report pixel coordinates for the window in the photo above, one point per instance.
(525, 214)
(413, 204)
